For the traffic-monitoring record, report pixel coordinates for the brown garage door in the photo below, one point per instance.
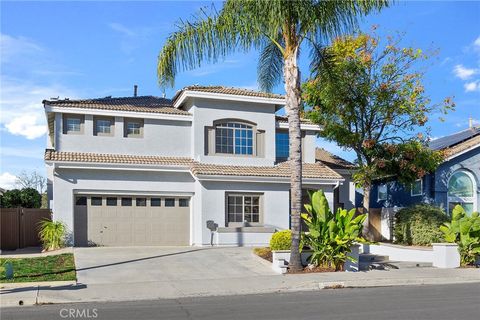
(131, 221)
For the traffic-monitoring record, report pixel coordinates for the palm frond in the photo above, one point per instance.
(270, 67)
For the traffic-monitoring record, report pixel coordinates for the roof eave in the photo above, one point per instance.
(185, 94)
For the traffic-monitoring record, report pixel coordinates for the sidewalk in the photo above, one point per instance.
(57, 293)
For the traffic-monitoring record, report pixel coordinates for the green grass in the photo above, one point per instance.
(51, 268)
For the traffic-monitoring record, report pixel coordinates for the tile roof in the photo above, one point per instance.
(149, 104)
(284, 119)
(229, 90)
(332, 161)
(282, 170)
(462, 146)
(52, 155)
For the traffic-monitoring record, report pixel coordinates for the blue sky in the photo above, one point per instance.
(97, 49)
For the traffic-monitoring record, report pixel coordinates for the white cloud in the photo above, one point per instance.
(7, 180)
(23, 152)
(28, 126)
(472, 86)
(122, 29)
(464, 73)
(22, 109)
(476, 43)
(12, 47)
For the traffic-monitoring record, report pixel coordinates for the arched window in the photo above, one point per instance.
(462, 191)
(234, 138)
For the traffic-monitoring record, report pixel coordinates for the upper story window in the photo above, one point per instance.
(133, 128)
(417, 188)
(73, 124)
(103, 126)
(234, 138)
(382, 192)
(282, 147)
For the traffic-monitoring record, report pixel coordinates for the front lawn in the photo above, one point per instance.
(51, 268)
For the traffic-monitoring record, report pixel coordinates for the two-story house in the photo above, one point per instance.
(208, 166)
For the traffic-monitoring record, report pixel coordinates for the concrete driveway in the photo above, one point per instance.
(144, 264)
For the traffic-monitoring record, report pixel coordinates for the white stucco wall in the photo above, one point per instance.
(160, 137)
(68, 182)
(206, 111)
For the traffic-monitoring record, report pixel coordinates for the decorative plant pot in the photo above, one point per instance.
(446, 255)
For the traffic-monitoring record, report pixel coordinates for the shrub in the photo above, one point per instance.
(52, 234)
(419, 225)
(331, 236)
(465, 231)
(26, 198)
(281, 240)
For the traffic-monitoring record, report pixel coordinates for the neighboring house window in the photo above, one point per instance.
(282, 146)
(382, 192)
(417, 188)
(462, 191)
(234, 138)
(73, 124)
(103, 126)
(133, 128)
(243, 208)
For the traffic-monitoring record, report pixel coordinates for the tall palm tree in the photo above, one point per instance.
(277, 28)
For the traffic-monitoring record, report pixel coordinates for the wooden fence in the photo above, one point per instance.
(19, 227)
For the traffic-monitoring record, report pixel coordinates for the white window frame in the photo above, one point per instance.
(378, 192)
(460, 200)
(421, 188)
(243, 222)
(224, 125)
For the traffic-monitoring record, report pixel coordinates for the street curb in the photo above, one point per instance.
(13, 285)
(302, 287)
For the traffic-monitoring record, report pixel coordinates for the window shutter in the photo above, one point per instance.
(260, 137)
(209, 141)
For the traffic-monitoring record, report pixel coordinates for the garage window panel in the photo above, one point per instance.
(141, 202)
(112, 201)
(81, 201)
(96, 201)
(183, 202)
(126, 202)
(169, 202)
(155, 202)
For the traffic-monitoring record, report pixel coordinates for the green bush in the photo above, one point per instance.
(419, 225)
(26, 198)
(465, 231)
(281, 240)
(52, 234)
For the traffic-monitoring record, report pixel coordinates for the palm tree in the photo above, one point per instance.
(277, 28)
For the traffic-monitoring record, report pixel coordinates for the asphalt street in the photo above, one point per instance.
(459, 301)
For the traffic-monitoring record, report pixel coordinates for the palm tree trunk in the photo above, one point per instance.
(292, 89)
(366, 208)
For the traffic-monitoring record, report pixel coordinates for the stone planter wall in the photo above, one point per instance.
(281, 258)
(446, 255)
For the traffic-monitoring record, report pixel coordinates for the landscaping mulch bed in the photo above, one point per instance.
(264, 253)
(50, 268)
(314, 270)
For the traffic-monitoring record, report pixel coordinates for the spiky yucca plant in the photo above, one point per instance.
(52, 234)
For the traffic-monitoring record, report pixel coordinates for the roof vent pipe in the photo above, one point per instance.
(470, 122)
(135, 89)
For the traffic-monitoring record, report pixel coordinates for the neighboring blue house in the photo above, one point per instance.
(456, 181)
